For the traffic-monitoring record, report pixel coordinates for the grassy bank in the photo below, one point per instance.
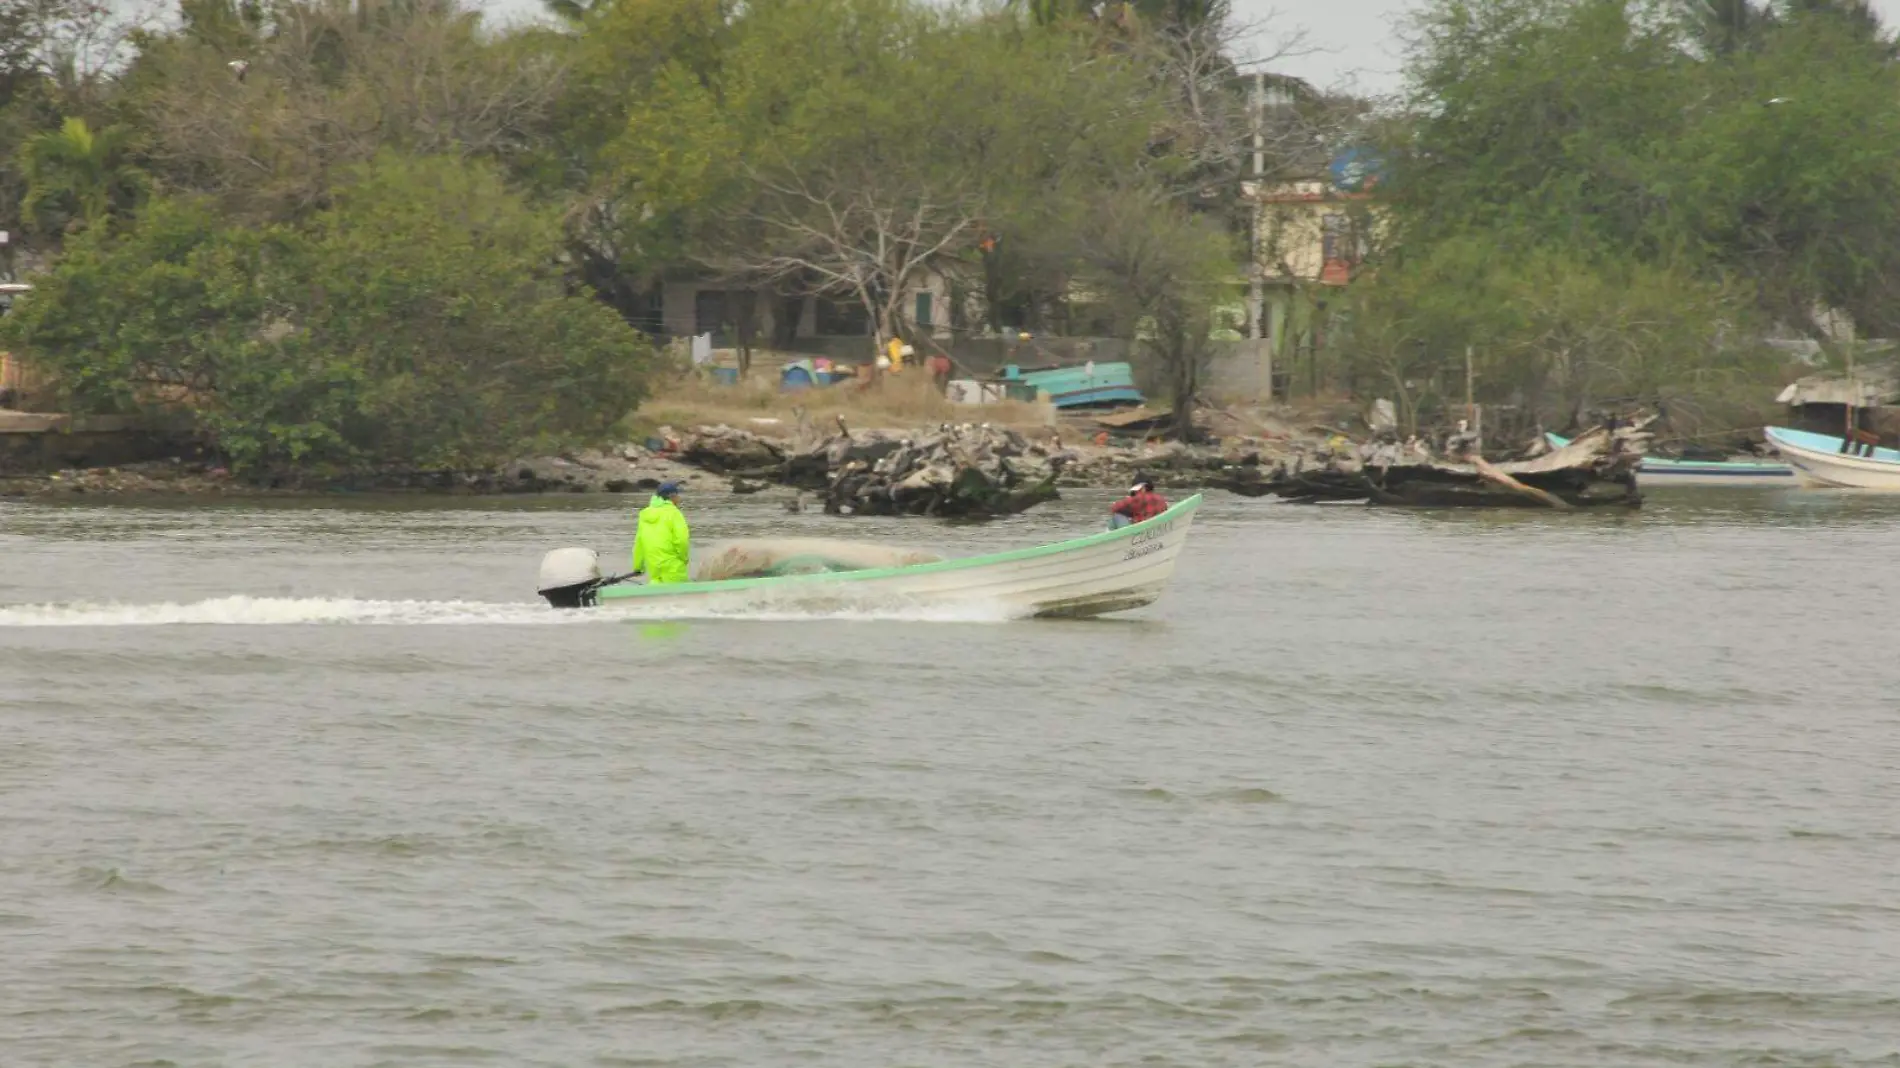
(893, 401)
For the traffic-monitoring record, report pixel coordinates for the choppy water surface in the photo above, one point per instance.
(316, 784)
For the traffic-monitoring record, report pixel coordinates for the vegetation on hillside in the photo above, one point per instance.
(1609, 201)
(419, 319)
(361, 232)
(356, 232)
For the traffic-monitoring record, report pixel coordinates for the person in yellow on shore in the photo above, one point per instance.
(895, 350)
(661, 543)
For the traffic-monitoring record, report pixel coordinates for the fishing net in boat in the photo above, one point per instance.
(774, 557)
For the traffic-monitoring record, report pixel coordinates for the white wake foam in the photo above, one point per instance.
(267, 611)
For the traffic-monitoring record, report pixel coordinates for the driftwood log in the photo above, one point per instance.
(1596, 470)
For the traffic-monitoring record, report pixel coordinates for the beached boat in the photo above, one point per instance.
(1821, 459)
(1662, 471)
(1111, 571)
(1084, 386)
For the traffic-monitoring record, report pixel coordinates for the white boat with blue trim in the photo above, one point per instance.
(1663, 471)
(1112, 571)
(1829, 461)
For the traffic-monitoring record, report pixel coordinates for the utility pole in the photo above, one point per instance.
(1853, 398)
(1256, 288)
(1474, 420)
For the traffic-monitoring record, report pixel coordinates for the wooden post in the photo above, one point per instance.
(1471, 407)
(1853, 394)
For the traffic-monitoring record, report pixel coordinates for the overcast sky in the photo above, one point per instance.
(1357, 41)
(1349, 43)
(1346, 40)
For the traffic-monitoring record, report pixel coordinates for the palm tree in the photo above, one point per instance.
(77, 175)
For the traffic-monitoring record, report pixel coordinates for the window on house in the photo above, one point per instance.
(709, 311)
(923, 309)
(842, 318)
(1336, 237)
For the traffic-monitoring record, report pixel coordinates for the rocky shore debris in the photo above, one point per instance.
(623, 469)
(1597, 469)
(155, 477)
(979, 470)
(956, 470)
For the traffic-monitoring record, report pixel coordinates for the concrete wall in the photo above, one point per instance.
(34, 444)
(1240, 371)
(676, 307)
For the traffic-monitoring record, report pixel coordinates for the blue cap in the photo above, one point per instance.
(668, 489)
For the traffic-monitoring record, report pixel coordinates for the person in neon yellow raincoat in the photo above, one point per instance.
(661, 542)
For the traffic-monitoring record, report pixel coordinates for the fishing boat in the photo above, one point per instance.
(1825, 459)
(1662, 471)
(1111, 571)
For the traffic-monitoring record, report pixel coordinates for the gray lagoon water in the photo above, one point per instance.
(318, 783)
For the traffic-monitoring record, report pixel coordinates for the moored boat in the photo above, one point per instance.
(1112, 571)
(1823, 459)
(1662, 471)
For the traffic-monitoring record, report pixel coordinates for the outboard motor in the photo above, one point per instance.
(569, 577)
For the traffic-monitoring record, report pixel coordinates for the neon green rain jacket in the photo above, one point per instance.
(661, 542)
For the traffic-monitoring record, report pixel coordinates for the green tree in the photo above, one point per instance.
(1551, 335)
(619, 237)
(1790, 177)
(266, 109)
(902, 134)
(1596, 127)
(1166, 271)
(1604, 199)
(420, 321)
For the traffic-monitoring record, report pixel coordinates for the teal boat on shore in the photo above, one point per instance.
(1081, 386)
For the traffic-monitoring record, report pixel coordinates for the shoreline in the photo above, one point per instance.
(628, 469)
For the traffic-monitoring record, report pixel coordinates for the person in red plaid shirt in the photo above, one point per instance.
(1141, 503)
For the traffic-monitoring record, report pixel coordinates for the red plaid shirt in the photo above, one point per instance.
(1140, 506)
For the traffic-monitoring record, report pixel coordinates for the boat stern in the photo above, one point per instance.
(569, 578)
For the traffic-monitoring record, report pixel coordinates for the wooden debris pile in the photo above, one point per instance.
(1597, 469)
(957, 470)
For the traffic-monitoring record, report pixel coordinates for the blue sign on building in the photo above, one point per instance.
(1357, 169)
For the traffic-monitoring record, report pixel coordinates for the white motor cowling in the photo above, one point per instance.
(568, 576)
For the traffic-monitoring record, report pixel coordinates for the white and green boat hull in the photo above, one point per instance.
(1112, 571)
